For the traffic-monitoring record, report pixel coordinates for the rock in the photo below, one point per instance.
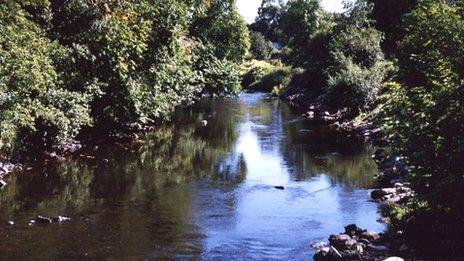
(322, 254)
(310, 115)
(384, 220)
(204, 123)
(279, 187)
(378, 248)
(394, 258)
(359, 247)
(325, 113)
(10, 223)
(353, 230)
(379, 193)
(43, 220)
(369, 235)
(335, 253)
(350, 255)
(319, 245)
(365, 241)
(340, 240)
(403, 248)
(328, 118)
(349, 244)
(61, 219)
(2, 183)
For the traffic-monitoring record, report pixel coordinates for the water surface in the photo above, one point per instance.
(197, 192)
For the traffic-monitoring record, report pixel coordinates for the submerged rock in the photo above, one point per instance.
(43, 220)
(2, 183)
(48, 220)
(61, 219)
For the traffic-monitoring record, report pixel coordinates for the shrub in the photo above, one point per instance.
(220, 77)
(263, 76)
(36, 110)
(356, 64)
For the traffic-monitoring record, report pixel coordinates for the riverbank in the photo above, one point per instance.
(391, 188)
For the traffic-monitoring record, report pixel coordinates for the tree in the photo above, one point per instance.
(224, 28)
(388, 15)
(261, 48)
(300, 21)
(268, 20)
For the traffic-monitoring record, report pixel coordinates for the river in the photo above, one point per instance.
(190, 191)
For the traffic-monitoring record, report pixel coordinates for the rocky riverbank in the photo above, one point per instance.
(391, 190)
(359, 244)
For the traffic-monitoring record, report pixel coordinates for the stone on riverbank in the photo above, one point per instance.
(354, 244)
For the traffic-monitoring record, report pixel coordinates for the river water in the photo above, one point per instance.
(190, 191)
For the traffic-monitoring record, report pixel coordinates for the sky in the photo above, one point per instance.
(249, 8)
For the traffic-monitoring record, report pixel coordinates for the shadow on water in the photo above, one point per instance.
(195, 191)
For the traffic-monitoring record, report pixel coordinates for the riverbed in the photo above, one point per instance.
(202, 186)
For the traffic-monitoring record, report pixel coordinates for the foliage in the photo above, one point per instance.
(224, 28)
(268, 20)
(35, 106)
(357, 66)
(220, 77)
(260, 47)
(65, 65)
(263, 76)
(424, 116)
(388, 15)
(299, 22)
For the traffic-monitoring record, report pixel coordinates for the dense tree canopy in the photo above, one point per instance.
(68, 65)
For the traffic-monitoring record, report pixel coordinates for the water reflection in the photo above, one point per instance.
(190, 191)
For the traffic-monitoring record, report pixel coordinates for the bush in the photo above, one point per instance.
(263, 76)
(356, 64)
(36, 110)
(218, 77)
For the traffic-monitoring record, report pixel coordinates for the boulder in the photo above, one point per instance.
(369, 235)
(379, 193)
(378, 248)
(61, 219)
(43, 220)
(322, 254)
(353, 230)
(2, 183)
(394, 258)
(319, 245)
(340, 240)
